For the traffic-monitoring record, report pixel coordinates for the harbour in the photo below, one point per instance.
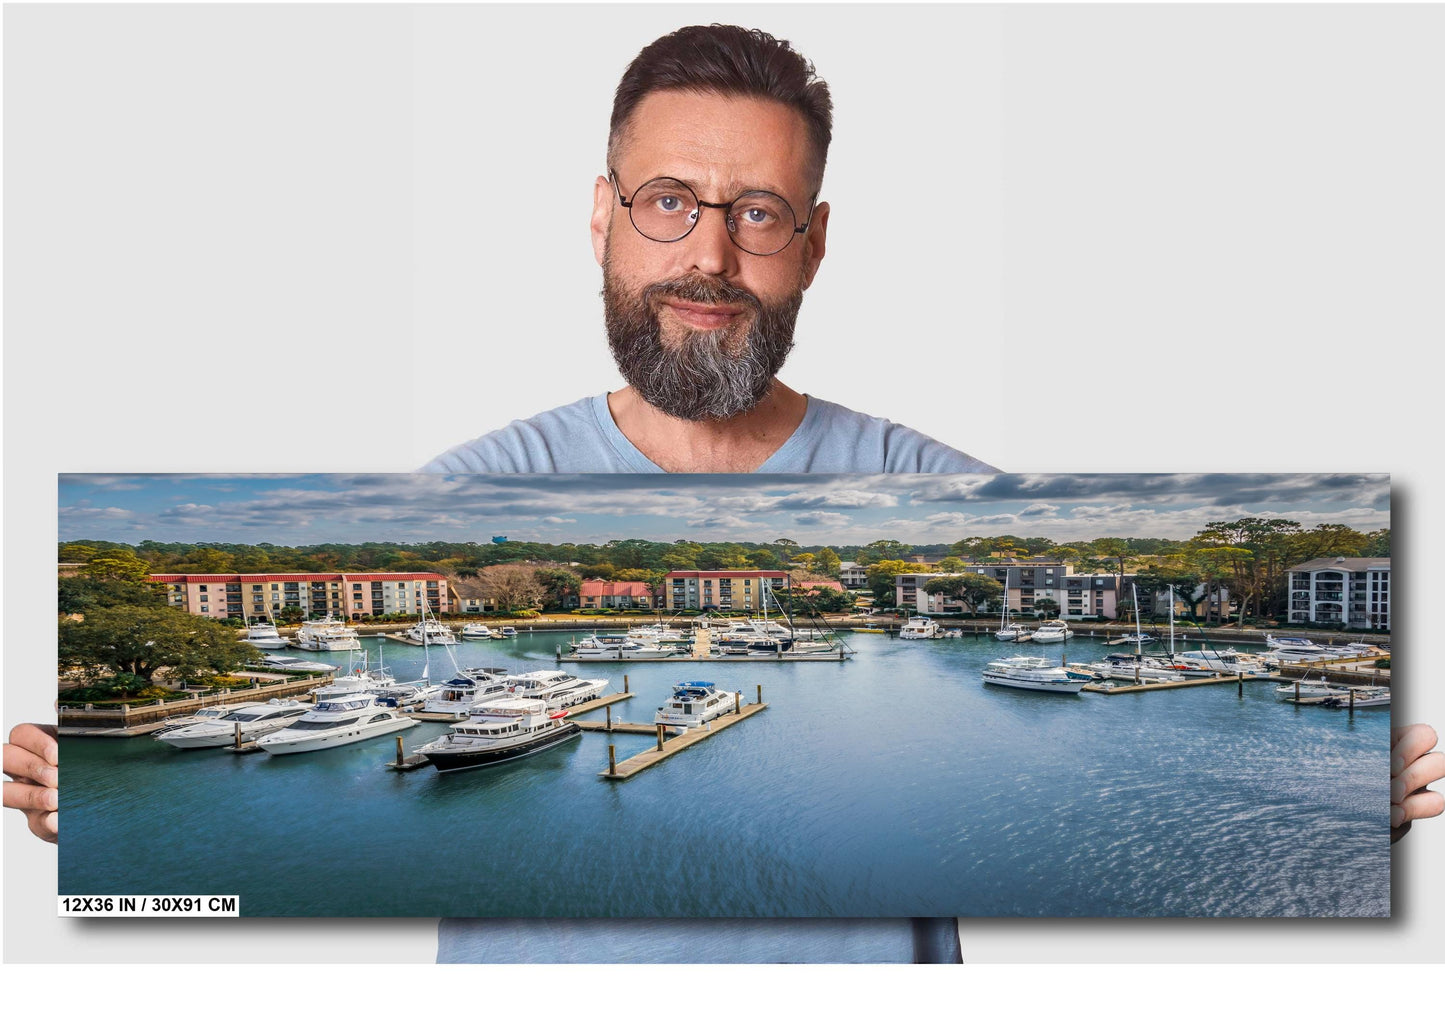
(1135, 802)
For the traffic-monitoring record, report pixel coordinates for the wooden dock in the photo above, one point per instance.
(667, 747)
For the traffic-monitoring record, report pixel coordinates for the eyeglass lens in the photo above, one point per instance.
(665, 210)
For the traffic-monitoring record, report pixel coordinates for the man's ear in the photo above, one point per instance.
(602, 203)
(816, 242)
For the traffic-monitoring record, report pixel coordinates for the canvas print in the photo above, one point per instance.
(726, 695)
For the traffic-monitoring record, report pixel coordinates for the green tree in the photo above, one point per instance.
(884, 550)
(556, 585)
(1046, 607)
(142, 640)
(827, 563)
(952, 565)
(117, 566)
(971, 589)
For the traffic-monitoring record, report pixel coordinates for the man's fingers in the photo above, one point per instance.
(45, 824)
(1409, 744)
(1416, 806)
(1428, 769)
(23, 763)
(21, 796)
(41, 740)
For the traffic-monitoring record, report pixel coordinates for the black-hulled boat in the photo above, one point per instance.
(497, 732)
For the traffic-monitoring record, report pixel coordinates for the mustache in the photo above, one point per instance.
(701, 289)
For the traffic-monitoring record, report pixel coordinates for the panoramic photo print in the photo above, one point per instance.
(726, 695)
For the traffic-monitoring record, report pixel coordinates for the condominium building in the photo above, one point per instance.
(1024, 585)
(720, 590)
(853, 575)
(599, 594)
(343, 595)
(1353, 591)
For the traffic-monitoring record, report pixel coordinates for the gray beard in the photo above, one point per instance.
(706, 377)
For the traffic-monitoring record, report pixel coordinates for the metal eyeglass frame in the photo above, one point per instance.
(797, 229)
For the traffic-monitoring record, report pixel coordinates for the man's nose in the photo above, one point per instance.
(709, 246)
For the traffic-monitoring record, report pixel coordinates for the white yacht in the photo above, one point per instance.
(471, 686)
(508, 632)
(381, 683)
(253, 719)
(474, 630)
(920, 628)
(1309, 692)
(263, 636)
(325, 634)
(1031, 673)
(1365, 696)
(1052, 632)
(557, 689)
(1139, 670)
(280, 663)
(621, 648)
(1013, 632)
(210, 713)
(498, 732)
(693, 704)
(1202, 662)
(337, 720)
(431, 632)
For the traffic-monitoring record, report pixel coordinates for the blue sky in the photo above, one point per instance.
(297, 510)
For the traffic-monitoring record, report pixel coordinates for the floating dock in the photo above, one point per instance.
(619, 772)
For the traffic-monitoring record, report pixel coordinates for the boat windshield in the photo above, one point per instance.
(238, 716)
(341, 704)
(305, 725)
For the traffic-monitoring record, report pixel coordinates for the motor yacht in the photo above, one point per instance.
(1033, 673)
(557, 689)
(216, 710)
(1052, 632)
(1013, 632)
(1365, 696)
(497, 732)
(920, 628)
(278, 662)
(1304, 692)
(1139, 670)
(263, 636)
(473, 630)
(325, 634)
(508, 632)
(621, 648)
(253, 719)
(470, 687)
(693, 704)
(338, 719)
(431, 632)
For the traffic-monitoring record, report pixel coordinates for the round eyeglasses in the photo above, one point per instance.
(758, 222)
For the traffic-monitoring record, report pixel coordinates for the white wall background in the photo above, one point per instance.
(1222, 222)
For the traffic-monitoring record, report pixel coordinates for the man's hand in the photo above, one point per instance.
(1413, 767)
(32, 759)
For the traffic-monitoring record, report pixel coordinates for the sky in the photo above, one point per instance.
(300, 510)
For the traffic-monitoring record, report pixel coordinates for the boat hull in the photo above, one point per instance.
(356, 733)
(469, 760)
(1071, 685)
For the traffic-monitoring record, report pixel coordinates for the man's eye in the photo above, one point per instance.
(756, 216)
(669, 204)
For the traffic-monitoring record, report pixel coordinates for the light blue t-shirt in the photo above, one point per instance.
(582, 438)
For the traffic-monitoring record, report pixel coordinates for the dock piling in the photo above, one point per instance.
(659, 738)
(760, 692)
(1241, 683)
(400, 753)
(238, 730)
(737, 703)
(609, 717)
(611, 756)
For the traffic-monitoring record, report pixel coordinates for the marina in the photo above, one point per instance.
(960, 812)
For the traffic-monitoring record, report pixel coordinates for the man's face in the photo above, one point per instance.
(699, 327)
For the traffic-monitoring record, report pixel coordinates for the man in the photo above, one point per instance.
(708, 229)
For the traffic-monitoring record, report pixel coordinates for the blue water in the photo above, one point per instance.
(895, 784)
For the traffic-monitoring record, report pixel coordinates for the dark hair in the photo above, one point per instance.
(731, 61)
